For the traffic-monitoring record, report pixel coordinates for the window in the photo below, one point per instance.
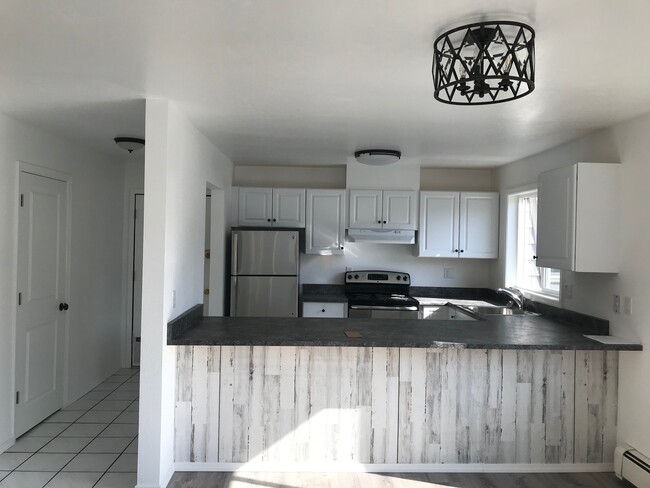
(528, 275)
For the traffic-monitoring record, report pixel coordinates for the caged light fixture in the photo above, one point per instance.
(484, 62)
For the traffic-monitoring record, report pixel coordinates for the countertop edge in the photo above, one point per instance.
(223, 331)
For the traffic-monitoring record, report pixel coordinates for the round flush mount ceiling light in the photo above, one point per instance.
(484, 62)
(377, 157)
(129, 143)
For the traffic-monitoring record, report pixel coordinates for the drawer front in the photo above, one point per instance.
(324, 309)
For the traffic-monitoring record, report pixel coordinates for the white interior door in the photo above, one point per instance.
(138, 227)
(42, 288)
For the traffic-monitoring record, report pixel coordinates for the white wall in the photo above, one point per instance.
(179, 164)
(394, 257)
(627, 143)
(95, 315)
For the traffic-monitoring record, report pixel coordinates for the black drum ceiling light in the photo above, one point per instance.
(484, 62)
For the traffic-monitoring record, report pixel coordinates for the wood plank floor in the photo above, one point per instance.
(395, 480)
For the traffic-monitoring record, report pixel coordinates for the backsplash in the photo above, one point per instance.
(474, 273)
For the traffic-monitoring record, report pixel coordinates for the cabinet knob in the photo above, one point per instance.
(379, 221)
(384, 221)
(63, 306)
(534, 257)
(323, 310)
(274, 220)
(341, 247)
(268, 220)
(455, 250)
(462, 250)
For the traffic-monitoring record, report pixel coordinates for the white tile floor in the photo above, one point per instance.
(92, 443)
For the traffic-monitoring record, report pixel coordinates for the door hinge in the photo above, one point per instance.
(22, 199)
(206, 291)
(207, 254)
(20, 298)
(17, 397)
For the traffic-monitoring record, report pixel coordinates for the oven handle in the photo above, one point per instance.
(378, 307)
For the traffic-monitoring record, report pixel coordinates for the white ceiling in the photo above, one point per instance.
(311, 81)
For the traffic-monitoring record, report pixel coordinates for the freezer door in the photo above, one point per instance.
(264, 296)
(265, 252)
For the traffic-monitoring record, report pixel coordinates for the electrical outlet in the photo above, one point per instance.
(448, 273)
(627, 305)
(174, 299)
(617, 303)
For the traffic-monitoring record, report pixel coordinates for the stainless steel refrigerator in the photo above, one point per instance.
(264, 273)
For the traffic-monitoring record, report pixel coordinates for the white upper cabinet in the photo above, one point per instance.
(577, 215)
(365, 209)
(438, 234)
(459, 224)
(288, 207)
(255, 207)
(389, 209)
(271, 207)
(479, 225)
(325, 230)
(399, 209)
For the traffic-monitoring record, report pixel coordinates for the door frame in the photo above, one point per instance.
(22, 166)
(129, 242)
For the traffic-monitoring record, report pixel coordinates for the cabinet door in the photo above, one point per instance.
(289, 207)
(255, 207)
(324, 309)
(556, 213)
(438, 235)
(479, 225)
(365, 209)
(399, 209)
(325, 229)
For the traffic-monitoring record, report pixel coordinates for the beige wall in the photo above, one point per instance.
(330, 177)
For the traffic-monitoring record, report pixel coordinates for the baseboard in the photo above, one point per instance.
(396, 468)
(165, 479)
(7, 444)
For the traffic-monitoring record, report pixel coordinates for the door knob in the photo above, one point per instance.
(63, 306)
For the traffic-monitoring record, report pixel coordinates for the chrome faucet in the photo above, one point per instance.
(516, 296)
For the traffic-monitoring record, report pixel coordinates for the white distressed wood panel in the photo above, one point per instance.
(595, 406)
(325, 404)
(485, 406)
(388, 405)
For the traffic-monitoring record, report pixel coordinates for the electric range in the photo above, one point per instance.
(380, 294)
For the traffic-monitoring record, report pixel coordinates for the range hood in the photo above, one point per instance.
(382, 236)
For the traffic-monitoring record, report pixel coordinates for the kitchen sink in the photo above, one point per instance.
(447, 312)
(496, 310)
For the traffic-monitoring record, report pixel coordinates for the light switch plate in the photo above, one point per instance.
(627, 305)
(448, 273)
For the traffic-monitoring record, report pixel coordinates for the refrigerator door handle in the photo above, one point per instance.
(235, 253)
(233, 296)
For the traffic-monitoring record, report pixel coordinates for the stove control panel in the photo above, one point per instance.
(383, 277)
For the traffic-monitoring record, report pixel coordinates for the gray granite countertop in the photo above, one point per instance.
(494, 332)
(323, 293)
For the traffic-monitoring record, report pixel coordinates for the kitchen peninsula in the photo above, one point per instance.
(318, 393)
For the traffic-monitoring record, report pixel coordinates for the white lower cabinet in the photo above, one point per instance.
(324, 309)
(459, 224)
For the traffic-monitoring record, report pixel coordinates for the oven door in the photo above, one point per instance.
(381, 313)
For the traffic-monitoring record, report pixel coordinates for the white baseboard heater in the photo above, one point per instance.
(632, 466)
